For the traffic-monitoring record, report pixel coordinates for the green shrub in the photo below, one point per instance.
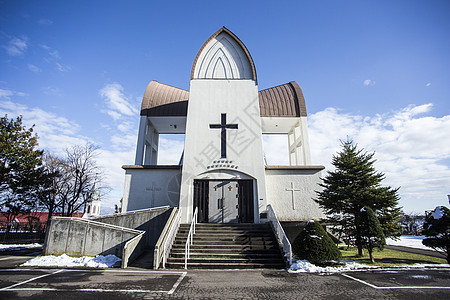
(314, 244)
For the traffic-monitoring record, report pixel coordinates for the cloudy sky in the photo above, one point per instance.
(375, 71)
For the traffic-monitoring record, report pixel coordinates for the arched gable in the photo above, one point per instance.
(223, 56)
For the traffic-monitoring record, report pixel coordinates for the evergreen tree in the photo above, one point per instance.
(371, 232)
(354, 184)
(437, 230)
(314, 244)
(22, 175)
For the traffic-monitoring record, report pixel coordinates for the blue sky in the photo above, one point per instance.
(377, 71)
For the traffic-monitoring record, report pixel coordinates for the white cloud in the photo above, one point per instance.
(409, 147)
(52, 91)
(55, 133)
(7, 94)
(116, 101)
(62, 67)
(46, 22)
(368, 82)
(276, 149)
(169, 151)
(17, 46)
(34, 68)
(52, 52)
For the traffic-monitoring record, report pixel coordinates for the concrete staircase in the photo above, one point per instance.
(228, 246)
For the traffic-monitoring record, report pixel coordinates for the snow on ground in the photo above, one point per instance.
(304, 266)
(14, 247)
(64, 260)
(411, 241)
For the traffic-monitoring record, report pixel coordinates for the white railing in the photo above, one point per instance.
(171, 237)
(279, 232)
(190, 238)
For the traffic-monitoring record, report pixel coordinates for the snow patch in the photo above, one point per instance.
(304, 266)
(14, 247)
(64, 260)
(411, 241)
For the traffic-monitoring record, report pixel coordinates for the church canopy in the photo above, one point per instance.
(285, 100)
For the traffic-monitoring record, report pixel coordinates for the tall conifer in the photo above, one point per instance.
(354, 184)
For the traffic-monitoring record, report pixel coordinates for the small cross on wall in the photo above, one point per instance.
(293, 190)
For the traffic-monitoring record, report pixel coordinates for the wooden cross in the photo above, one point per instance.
(223, 138)
(293, 190)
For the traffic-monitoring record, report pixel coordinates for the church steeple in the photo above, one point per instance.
(223, 56)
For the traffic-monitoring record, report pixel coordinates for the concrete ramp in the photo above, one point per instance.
(107, 235)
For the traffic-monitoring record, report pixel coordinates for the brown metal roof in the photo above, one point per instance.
(164, 100)
(226, 30)
(285, 100)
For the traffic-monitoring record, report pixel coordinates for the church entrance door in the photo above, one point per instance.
(224, 201)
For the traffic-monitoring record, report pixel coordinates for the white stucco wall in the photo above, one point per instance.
(151, 187)
(278, 185)
(208, 99)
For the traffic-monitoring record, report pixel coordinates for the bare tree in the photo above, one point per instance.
(82, 176)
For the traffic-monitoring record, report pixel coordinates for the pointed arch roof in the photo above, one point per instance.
(285, 100)
(238, 41)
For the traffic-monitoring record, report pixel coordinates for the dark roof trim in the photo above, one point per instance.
(226, 30)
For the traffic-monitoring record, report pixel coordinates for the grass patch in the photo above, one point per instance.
(390, 258)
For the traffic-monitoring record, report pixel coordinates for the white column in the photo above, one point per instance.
(141, 141)
(305, 141)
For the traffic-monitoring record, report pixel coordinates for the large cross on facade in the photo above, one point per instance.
(293, 190)
(223, 138)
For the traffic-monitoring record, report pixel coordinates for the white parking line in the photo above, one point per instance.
(394, 287)
(171, 291)
(177, 283)
(29, 280)
(84, 290)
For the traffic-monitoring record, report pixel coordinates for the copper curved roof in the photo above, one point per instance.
(164, 100)
(226, 30)
(284, 100)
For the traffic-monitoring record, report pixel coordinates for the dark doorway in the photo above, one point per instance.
(217, 203)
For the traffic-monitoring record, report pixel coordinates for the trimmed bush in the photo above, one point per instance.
(314, 244)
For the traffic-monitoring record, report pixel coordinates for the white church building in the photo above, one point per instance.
(223, 170)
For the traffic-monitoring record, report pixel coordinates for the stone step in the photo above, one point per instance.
(228, 256)
(256, 242)
(226, 266)
(226, 250)
(225, 260)
(227, 246)
(230, 233)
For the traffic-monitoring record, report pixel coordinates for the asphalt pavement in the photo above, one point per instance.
(134, 283)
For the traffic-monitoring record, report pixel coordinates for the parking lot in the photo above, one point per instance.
(64, 283)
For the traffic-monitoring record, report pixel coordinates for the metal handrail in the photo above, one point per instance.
(171, 237)
(190, 238)
(281, 236)
(158, 252)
